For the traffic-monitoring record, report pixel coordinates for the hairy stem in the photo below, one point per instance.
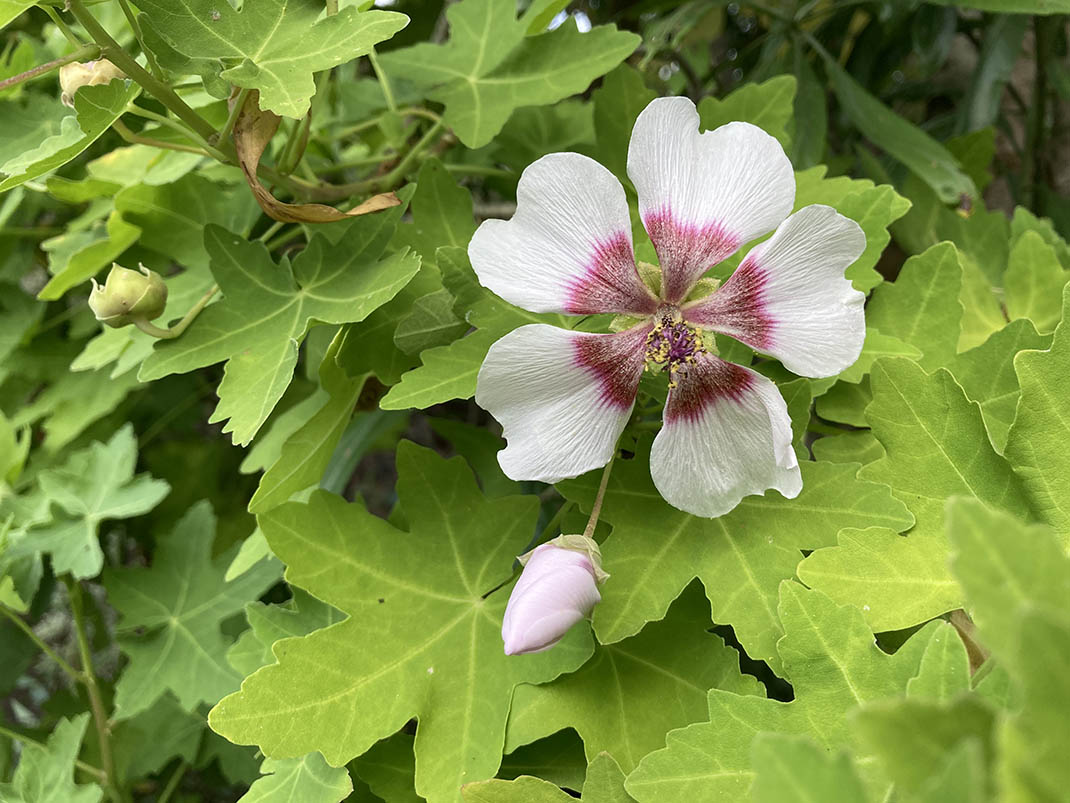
(83, 53)
(96, 703)
(180, 327)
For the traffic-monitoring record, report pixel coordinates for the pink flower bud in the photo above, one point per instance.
(558, 587)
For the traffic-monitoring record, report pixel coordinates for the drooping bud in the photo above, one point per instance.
(558, 587)
(77, 74)
(128, 296)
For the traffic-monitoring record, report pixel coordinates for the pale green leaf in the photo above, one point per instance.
(267, 310)
(94, 485)
(944, 673)
(986, 374)
(75, 256)
(1034, 282)
(604, 784)
(308, 779)
(47, 141)
(893, 579)
(45, 774)
(921, 307)
(914, 739)
(935, 446)
(273, 46)
(767, 105)
(431, 599)
(793, 769)
(171, 615)
(741, 558)
(873, 207)
(859, 446)
(305, 455)
(144, 744)
(9, 9)
(1036, 444)
(659, 682)
(489, 68)
(833, 664)
(172, 216)
(1017, 581)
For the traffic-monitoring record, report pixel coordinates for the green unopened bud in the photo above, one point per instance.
(128, 296)
(77, 74)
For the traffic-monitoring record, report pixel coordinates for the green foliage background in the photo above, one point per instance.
(267, 560)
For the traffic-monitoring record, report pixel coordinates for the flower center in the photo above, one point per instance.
(673, 343)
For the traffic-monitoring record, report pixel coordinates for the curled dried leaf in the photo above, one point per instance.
(253, 131)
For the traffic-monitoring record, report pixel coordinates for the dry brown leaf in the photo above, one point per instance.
(253, 131)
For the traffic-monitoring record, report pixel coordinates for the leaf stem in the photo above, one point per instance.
(69, 670)
(384, 81)
(64, 28)
(96, 703)
(114, 52)
(235, 112)
(82, 53)
(180, 327)
(596, 511)
(184, 130)
(172, 782)
(136, 139)
(136, 28)
(11, 734)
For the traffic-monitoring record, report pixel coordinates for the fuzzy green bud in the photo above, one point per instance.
(128, 296)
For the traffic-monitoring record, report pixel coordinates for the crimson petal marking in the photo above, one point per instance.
(568, 248)
(615, 362)
(685, 250)
(726, 435)
(739, 308)
(611, 281)
(791, 299)
(562, 397)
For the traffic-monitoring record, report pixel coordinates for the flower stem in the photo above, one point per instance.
(596, 510)
(96, 703)
(82, 53)
(180, 327)
(69, 670)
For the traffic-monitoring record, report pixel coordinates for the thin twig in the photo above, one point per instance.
(85, 52)
(69, 670)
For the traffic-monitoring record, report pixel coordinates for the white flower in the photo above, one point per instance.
(563, 397)
(558, 587)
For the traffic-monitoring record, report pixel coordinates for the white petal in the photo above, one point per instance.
(726, 435)
(701, 196)
(789, 297)
(568, 248)
(561, 397)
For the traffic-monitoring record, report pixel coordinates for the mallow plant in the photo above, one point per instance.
(463, 403)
